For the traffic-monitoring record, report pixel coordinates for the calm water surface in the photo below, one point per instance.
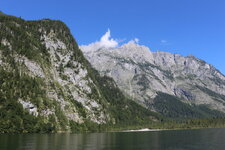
(203, 139)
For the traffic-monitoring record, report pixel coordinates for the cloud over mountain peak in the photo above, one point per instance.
(105, 42)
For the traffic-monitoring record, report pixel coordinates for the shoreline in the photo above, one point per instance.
(143, 130)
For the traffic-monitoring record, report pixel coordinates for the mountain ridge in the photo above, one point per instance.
(188, 78)
(47, 84)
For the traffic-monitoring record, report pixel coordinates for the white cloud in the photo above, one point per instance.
(105, 42)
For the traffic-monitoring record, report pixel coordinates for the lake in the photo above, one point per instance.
(201, 139)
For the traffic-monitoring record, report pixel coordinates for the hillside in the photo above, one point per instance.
(47, 85)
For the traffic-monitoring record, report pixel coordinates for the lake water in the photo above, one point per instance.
(203, 139)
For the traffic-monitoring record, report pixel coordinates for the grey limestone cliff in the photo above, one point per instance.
(142, 74)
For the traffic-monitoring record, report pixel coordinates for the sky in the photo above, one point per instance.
(186, 27)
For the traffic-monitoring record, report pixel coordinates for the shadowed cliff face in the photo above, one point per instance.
(143, 75)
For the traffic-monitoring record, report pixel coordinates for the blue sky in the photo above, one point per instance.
(185, 27)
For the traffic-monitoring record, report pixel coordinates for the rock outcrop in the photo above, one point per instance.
(142, 75)
(47, 85)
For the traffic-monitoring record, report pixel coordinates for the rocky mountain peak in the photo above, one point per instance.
(141, 74)
(131, 45)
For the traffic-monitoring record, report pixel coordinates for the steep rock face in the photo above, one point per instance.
(142, 75)
(45, 51)
(46, 84)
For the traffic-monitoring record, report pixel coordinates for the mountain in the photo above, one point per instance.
(47, 85)
(173, 85)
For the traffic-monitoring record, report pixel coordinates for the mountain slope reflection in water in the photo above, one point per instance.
(207, 139)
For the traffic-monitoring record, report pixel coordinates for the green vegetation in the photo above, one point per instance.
(170, 106)
(124, 111)
(192, 124)
(13, 118)
(211, 93)
(142, 81)
(25, 38)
